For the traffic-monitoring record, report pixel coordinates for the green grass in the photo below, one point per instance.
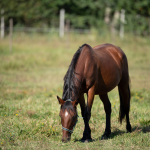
(32, 75)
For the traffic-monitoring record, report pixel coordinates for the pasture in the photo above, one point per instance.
(31, 76)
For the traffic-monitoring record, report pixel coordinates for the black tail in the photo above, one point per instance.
(122, 111)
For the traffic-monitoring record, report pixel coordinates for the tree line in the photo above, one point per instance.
(79, 13)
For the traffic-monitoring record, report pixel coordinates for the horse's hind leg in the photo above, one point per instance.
(107, 107)
(124, 93)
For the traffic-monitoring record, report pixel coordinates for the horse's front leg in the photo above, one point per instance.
(87, 116)
(82, 105)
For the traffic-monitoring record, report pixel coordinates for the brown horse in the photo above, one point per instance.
(94, 71)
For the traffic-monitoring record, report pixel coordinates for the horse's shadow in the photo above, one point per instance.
(116, 132)
(144, 129)
(138, 129)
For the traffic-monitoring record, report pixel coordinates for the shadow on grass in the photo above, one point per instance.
(144, 129)
(113, 134)
(139, 129)
(87, 141)
(117, 132)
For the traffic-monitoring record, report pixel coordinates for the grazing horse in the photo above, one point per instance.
(94, 71)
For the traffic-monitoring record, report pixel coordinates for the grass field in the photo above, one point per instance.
(32, 75)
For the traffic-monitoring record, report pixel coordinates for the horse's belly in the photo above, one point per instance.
(108, 81)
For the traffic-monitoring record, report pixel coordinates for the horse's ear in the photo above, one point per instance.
(61, 102)
(74, 103)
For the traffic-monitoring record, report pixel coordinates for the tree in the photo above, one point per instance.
(81, 13)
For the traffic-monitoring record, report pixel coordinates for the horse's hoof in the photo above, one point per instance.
(129, 131)
(105, 136)
(128, 127)
(86, 140)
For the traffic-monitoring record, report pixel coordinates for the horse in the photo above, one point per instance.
(94, 71)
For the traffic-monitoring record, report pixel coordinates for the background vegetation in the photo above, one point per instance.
(81, 13)
(32, 75)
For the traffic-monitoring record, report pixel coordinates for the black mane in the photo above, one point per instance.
(70, 90)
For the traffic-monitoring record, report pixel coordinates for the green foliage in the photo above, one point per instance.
(81, 13)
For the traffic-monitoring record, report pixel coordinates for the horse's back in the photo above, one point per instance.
(106, 49)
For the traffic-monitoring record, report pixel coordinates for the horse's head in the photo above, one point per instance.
(68, 114)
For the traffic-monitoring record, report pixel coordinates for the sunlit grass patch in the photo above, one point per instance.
(32, 76)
